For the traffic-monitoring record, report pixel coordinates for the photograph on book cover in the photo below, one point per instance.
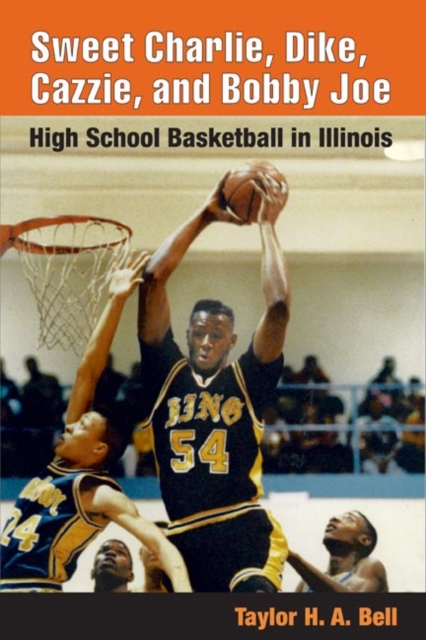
(119, 123)
(344, 428)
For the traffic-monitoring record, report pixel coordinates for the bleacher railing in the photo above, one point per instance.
(350, 394)
(354, 393)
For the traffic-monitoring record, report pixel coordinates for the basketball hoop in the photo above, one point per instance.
(68, 261)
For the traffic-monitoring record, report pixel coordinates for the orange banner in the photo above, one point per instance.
(234, 58)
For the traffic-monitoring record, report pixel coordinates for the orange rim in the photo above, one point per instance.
(10, 235)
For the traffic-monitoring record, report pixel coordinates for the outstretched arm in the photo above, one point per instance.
(370, 577)
(270, 333)
(313, 577)
(154, 573)
(115, 506)
(122, 284)
(154, 311)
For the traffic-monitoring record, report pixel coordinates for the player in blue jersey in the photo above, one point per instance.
(63, 509)
(206, 416)
(350, 539)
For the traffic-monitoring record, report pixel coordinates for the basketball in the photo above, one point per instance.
(240, 195)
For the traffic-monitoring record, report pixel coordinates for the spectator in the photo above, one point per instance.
(143, 443)
(377, 445)
(272, 442)
(331, 410)
(11, 401)
(131, 394)
(107, 397)
(11, 409)
(390, 391)
(415, 395)
(386, 374)
(109, 385)
(312, 373)
(324, 451)
(131, 398)
(42, 403)
(42, 417)
(287, 398)
(410, 452)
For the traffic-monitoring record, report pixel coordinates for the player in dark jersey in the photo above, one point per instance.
(206, 417)
(64, 508)
(350, 539)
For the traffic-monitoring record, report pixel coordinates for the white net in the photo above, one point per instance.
(68, 265)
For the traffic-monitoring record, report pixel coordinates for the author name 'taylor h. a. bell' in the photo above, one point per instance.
(312, 617)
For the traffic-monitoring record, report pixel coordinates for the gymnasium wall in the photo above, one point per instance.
(349, 313)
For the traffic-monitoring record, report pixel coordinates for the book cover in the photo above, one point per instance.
(132, 113)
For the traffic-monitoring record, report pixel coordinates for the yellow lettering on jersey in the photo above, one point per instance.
(232, 410)
(214, 453)
(174, 411)
(25, 532)
(184, 450)
(188, 410)
(30, 490)
(44, 493)
(209, 406)
(51, 497)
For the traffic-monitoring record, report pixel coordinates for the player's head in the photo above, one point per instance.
(376, 408)
(31, 364)
(388, 366)
(311, 363)
(95, 441)
(210, 336)
(113, 566)
(351, 531)
(214, 308)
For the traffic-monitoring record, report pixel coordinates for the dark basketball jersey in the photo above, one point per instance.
(206, 434)
(48, 530)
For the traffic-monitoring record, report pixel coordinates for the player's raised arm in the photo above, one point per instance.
(154, 310)
(122, 284)
(270, 333)
(114, 505)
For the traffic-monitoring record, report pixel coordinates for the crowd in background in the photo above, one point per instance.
(387, 424)
(308, 428)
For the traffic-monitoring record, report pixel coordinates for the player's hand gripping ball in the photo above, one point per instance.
(240, 195)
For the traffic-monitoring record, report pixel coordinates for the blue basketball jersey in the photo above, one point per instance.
(342, 578)
(48, 530)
